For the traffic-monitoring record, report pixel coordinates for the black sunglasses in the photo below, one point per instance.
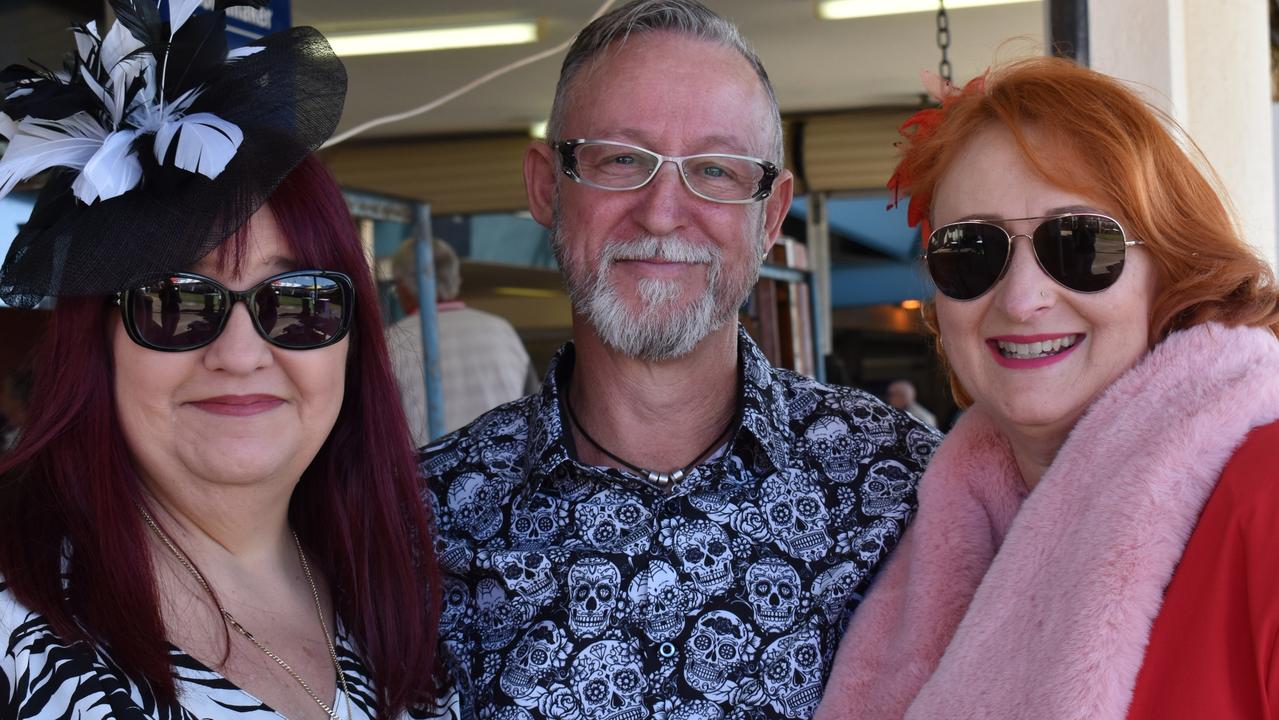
(296, 310)
(1083, 252)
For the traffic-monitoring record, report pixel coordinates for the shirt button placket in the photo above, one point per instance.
(661, 659)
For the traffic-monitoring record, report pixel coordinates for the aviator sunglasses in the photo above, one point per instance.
(1083, 252)
(296, 310)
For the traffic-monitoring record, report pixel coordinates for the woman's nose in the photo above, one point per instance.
(239, 348)
(1025, 290)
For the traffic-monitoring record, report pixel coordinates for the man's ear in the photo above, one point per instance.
(539, 181)
(777, 206)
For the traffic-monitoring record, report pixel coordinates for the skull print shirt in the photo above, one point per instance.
(574, 591)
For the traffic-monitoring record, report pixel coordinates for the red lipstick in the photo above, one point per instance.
(1015, 363)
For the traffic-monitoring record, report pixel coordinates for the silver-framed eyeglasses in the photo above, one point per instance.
(718, 177)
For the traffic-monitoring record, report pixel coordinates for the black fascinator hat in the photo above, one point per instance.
(162, 143)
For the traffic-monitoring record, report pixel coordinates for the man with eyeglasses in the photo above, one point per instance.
(672, 527)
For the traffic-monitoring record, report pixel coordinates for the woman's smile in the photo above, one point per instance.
(1033, 351)
(238, 405)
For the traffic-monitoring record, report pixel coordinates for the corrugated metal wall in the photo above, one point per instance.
(850, 151)
(469, 175)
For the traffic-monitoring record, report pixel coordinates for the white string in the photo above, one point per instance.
(341, 137)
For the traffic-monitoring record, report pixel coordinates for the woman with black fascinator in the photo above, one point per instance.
(212, 509)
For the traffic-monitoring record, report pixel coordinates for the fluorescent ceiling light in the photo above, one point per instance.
(846, 9)
(403, 41)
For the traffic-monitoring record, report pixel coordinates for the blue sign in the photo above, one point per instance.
(245, 24)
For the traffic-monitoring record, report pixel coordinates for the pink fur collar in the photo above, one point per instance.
(996, 608)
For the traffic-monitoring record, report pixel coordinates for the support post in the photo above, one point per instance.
(428, 315)
(819, 257)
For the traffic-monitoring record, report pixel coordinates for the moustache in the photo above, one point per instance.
(668, 249)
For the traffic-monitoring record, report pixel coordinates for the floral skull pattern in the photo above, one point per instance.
(576, 592)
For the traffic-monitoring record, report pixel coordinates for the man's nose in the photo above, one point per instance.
(665, 200)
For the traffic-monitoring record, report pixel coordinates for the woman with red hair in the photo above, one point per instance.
(1096, 538)
(212, 510)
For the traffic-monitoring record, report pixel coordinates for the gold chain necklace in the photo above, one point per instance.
(235, 624)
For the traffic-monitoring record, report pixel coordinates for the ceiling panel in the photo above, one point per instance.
(814, 64)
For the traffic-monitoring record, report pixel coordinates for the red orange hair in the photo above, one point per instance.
(1096, 138)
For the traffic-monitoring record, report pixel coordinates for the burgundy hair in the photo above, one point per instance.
(357, 509)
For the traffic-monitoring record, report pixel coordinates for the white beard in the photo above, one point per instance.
(662, 328)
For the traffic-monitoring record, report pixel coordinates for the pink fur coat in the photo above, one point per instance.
(992, 607)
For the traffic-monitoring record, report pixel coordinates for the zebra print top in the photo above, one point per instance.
(46, 677)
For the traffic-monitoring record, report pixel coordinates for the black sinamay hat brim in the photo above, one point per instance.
(287, 99)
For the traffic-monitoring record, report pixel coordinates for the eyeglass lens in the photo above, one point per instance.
(619, 167)
(291, 311)
(1084, 253)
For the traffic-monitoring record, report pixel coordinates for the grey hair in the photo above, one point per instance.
(448, 269)
(685, 17)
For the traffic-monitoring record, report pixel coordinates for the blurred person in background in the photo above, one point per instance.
(483, 362)
(1097, 536)
(901, 395)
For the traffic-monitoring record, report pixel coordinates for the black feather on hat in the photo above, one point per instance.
(162, 143)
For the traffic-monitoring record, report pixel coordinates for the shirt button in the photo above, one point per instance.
(667, 650)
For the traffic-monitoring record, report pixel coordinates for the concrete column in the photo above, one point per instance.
(1207, 64)
(819, 262)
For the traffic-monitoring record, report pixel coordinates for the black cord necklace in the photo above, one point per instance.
(661, 480)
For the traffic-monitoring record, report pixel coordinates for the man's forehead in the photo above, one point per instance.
(645, 87)
(653, 139)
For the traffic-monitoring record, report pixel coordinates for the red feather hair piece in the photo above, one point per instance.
(918, 128)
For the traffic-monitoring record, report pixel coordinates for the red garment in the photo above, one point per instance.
(1214, 647)
(995, 609)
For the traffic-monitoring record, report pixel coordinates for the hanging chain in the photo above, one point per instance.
(943, 40)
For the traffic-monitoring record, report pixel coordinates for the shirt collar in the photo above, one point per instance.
(765, 415)
(547, 446)
(762, 398)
